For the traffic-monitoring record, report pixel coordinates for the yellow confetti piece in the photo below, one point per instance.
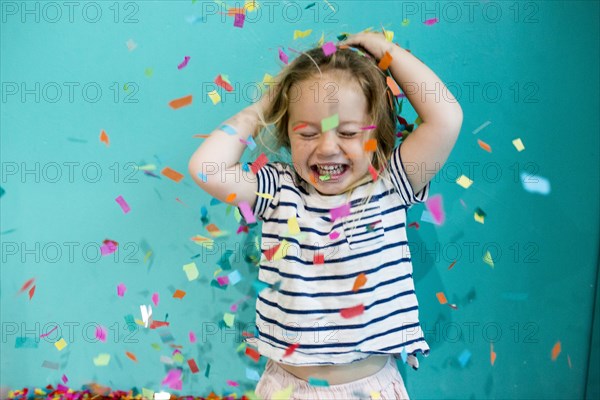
(322, 40)
(250, 5)
(61, 344)
(147, 167)
(284, 394)
(464, 181)
(405, 22)
(228, 318)
(293, 226)
(375, 395)
(102, 360)
(389, 35)
(214, 96)
(191, 271)
(281, 251)
(518, 144)
(302, 34)
(478, 217)
(147, 393)
(147, 256)
(217, 271)
(268, 79)
(487, 258)
(264, 195)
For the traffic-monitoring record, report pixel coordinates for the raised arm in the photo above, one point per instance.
(218, 158)
(427, 148)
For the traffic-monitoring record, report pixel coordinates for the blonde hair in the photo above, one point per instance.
(363, 69)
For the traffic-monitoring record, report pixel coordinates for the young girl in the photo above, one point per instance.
(341, 305)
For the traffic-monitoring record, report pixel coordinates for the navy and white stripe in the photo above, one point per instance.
(371, 240)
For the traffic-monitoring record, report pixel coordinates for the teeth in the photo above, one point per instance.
(330, 169)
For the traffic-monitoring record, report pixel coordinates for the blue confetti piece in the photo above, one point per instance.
(203, 212)
(534, 183)
(245, 167)
(252, 374)
(259, 286)
(464, 357)
(317, 382)
(228, 129)
(427, 217)
(234, 277)
(214, 201)
(251, 143)
(2, 191)
(202, 176)
(404, 355)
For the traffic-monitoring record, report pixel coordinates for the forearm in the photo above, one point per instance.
(428, 95)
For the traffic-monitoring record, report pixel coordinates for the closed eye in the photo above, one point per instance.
(348, 134)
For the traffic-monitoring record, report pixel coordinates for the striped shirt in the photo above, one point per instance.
(309, 305)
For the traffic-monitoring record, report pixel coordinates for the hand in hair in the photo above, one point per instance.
(373, 43)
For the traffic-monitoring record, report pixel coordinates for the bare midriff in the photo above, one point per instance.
(340, 373)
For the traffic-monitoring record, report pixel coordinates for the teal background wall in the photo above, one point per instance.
(529, 68)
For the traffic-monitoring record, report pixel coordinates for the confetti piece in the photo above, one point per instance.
(518, 144)
(464, 357)
(405, 22)
(339, 212)
(124, 206)
(191, 271)
(202, 177)
(179, 294)
(64, 379)
(61, 344)
(246, 211)
(464, 181)
(181, 102)
(155, 299)
(228, 319)
(202, 241)
(214, 96)
(131, 356)
(441, 297)
(535, 184)
(487, 258)
(50, 365)
(146, 314)
(252, 374)
(281, 250)
(486, 123)
(484, 145)
(102, 360)
(299, 126)
(290, 349)
(436, 209)
(31, 292)
(415, 224)
(250, 5)
(293, 227)
(223, 280)
(492, 354)
(370, 145)
(284, 394)
(302, 34)
(334, 235)
(283, 57)
(352, 311)
(385, 61)
(430, 21)
(479, 215)
(184, 63)
(318, 382)
(48, 333)
(230, 197)
(148, 72)
(193, 367)
(131, 45)
(26, 285)
(222, 81)
(330, 123)
(260, 162)
(253, 354)
(556, 351)
(101, 333)
(173, 379)
(452, 265)
(325, 177)
(318, 258)
(104, 137)
(329, 48)
(373, 172)
(108, 247)
(238, 20)
(172, 174)
(569, 361)
(393, 86)
(234, 277)
(359, 282)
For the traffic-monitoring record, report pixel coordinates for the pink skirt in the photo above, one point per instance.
(388, 383)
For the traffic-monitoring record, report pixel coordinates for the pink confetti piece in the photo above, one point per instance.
(223, 280)
(246, 212)
(238, 20)
(65, 379)
(47, 333)
(155, 299)
(368, 128)
(232, 383)
(436, 209)
(124, 206)
(121, 288)
(101, 333)
(233, 308)
(184, 63)
(283, 57)
(334, 235)
(108, 247)
(192, 337)
(329, 48)
(431, 21)
(173, 379)
(340, 212)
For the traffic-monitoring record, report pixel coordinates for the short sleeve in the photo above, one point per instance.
(269, 187)
(400, 180)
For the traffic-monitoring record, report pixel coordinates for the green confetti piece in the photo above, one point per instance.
(207, 370)
(329, 123)
(325, 177)
(317, 382)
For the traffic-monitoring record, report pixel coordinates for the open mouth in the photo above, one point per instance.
(332, 170)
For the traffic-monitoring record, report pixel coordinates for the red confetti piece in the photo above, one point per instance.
(253, 354)
(373, 172)
(319, 258)
(290, 350)
(26, 285)
(352, 311)
(415, 224)
(158, 324)
(225, 85)
(299, 126)
(193, 367)
(269, 253)
(260, 162)
(452, 265)
(31, 292)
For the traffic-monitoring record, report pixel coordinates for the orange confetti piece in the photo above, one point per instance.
(352, 311)
(291, 348)
(555, 351)
(171, 174)
(131, 356)
(253, 354)
(452, 265)
(212, 228)
(313, 179)
(179, 294)
(484, 145)
(181, 102)
(371, 145)
(441, 297)
(385, 61)
(31, 292)
(233, 11)
(230, 197)
(158, 324)
(393, 86)
(26, 285)
(104, 137)
(492, 354)
(359, 282)
(201, 136)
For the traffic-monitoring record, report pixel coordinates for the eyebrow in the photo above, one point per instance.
(303, 124)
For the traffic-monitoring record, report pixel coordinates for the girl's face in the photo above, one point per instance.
(338, 152)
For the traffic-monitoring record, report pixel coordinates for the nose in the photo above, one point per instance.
(328, 143)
